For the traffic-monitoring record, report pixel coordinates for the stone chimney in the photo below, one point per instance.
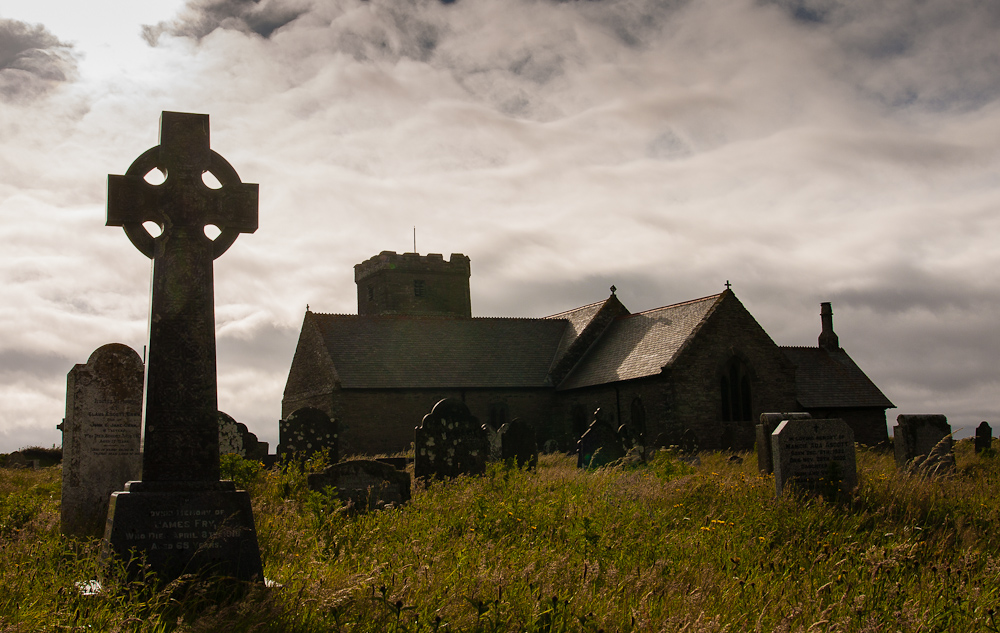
(827, 338)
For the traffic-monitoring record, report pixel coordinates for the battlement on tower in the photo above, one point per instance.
(414, 284)
(414, 262)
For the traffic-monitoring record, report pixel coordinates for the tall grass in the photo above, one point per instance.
(664, 546)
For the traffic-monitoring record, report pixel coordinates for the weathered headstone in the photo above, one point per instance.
(101, 436)
(984, 437)
(601, 444)
(364, 484)
(769, 422)
(236, 438)
(939, 462)
(449, 442)
(306, 431)
(518, 445)
(817, 455)
(181, 517)
(917, 435)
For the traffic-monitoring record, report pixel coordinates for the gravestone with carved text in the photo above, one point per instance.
(180, 516)
(101, 436)
(364, 484)
(817, 455)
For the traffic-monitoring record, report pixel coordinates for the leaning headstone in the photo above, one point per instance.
(984, 437)
(364, 484)
(181, 518)
(449, 442)
(518, 445)
(236, 438)
(769, 422)
(306, 431)
(600, 445)
(101, 436)
(917, 435)
(817, 455)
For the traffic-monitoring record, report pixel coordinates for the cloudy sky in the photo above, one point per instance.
(805, 150)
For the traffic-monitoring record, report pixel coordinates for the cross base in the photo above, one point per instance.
(184, 529)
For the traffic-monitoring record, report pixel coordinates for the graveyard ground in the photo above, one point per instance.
(660, 547)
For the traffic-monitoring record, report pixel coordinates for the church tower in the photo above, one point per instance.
(414, 285)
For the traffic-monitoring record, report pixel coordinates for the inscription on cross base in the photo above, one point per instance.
(180, 418)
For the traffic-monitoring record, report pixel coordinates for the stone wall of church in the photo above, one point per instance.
(382, 421)
(697, 374)
(867, 423)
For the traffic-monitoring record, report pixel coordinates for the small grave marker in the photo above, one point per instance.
(101, 436)
(984, 437)
(817, 455)
(364, 484)
(449, 442)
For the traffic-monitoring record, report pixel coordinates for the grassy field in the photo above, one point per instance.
(661, 547)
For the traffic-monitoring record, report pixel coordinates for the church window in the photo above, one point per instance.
(737, 396)
(418, 287)
(371, 293)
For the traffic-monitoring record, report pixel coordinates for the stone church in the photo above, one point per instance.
(704, 366)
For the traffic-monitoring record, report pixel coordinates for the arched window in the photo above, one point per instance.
(737, 398)
(639, 417)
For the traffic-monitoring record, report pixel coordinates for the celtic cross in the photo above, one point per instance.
(181, 399)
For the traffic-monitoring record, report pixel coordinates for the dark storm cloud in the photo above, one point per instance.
(32, 60)
(202, 17)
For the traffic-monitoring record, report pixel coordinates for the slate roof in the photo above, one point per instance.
(387, 352)
(640, 344)
(831, 379)
(577, 320)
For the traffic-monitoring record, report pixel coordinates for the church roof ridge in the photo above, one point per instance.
(576, 309)
(676, 305)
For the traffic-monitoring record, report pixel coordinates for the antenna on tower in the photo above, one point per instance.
(414, 239)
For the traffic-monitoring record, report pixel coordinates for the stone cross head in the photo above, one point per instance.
(183, 199)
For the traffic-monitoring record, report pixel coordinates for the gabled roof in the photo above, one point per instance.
(831, 379)
(641, 344)
(577, 320)
(388, 352)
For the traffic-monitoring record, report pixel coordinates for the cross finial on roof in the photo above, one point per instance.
(307, 307)
(728, 285)
(613, 289)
